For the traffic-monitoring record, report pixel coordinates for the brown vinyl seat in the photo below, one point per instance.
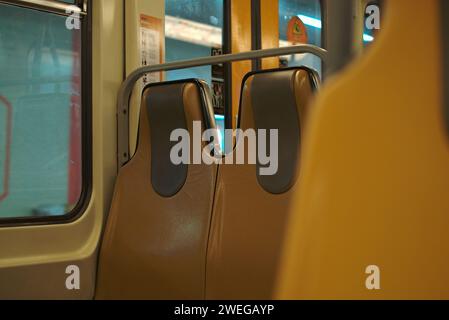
(250, 210)
(154, 246)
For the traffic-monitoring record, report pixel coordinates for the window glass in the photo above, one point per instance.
(194, 29)
(40, 114)
(300, 22)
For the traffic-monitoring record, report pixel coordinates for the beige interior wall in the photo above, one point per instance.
(134, 8)
(33, 260)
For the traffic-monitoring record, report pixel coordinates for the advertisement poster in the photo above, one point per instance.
(151, 53)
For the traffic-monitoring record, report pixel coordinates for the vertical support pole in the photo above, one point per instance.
(338, 31)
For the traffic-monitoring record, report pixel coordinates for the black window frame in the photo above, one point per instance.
(86, 120)
(227, 48)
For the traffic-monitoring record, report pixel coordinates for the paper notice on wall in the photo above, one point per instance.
(150, 46)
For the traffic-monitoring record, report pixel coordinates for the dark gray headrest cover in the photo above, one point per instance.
(165, 106)
(274, 107)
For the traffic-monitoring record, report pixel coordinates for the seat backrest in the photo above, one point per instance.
(250, 209)
(371, 220)
(154, 246)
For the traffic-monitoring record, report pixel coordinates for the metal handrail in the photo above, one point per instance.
(127, 87)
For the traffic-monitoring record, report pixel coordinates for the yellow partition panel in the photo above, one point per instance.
(241, 42)
(269, 11)
(371, 220)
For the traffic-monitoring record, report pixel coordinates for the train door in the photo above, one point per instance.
(56, 172)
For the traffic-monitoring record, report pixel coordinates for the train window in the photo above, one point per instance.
(194, 29)
(40, 114)
(300, 21)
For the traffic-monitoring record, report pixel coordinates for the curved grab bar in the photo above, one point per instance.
(126, 88)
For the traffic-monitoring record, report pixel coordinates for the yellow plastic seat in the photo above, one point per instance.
(375, 173)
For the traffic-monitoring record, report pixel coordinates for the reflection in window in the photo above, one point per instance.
(40, 114)
(300, 22)
(193, 29)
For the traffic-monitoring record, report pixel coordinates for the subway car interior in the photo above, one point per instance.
(224, 150)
